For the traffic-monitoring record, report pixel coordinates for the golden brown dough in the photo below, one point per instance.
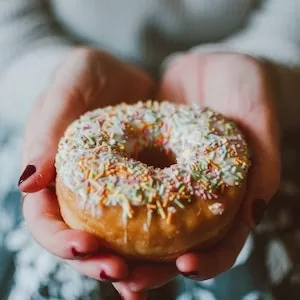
(146, 212)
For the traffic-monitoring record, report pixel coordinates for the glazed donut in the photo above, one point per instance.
(145, 211)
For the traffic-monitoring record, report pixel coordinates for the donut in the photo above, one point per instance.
(109, 184)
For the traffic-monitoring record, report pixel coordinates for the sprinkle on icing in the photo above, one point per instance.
(96, 158)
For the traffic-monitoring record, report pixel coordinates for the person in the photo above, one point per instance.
(60, 59)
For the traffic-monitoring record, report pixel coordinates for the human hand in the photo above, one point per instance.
(238, 87)
(87, 79)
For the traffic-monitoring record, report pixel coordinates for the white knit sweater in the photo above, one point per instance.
(139, 31)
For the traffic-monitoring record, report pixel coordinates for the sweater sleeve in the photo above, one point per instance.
(271, 35)
(30, 51)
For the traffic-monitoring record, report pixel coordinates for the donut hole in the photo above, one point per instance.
(156, 157)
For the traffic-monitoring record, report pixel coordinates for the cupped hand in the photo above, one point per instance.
(86, 80)
(240, 88)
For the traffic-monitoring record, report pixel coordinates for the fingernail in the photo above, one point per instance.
(29, 171)
(259, 210)
(78, 255)
(103, 276)
(190, 274)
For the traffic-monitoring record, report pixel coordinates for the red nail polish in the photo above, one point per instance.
(103, 276)
(259, 210)
(190, 274)
(29, 171)
(78, 255)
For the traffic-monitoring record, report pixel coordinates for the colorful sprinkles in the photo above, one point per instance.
(96, 158)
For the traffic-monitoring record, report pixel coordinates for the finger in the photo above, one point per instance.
(146, 277)
(203, 265)
(213, 262)
(104, 267)
(54, 113)
(206, 265)
(42, 216)
(39, 173)
(127, 294)
(67, 99)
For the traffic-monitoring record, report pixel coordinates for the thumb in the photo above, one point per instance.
(47, 122)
